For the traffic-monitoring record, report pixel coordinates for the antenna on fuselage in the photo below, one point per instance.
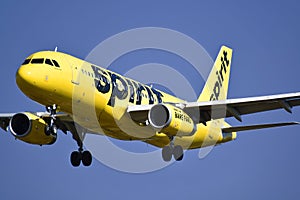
(55, 49)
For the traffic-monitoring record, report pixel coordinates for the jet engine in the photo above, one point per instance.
(171, 120)
(30, 128)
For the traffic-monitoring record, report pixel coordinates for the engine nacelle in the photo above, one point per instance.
(30, 128)
(171, 120)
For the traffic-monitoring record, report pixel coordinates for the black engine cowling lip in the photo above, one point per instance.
(12, 126)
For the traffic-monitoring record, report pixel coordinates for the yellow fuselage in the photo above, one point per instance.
(98, 99)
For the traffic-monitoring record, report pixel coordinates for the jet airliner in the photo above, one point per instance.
(122, 108)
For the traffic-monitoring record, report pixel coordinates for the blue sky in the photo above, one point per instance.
(260, 164)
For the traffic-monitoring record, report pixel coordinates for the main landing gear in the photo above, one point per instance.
(81, 156)
(171, 150)
(52, 129)
(76, 156)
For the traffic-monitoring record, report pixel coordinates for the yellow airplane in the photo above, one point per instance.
(98, 101)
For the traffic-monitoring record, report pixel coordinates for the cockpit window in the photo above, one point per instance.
(55, 63)
(26, 62)
(48, 61)
(41, 61)
(37, 61)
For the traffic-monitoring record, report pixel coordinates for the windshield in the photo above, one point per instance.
(47, 61)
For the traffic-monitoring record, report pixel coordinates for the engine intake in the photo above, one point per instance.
(20, 125)
(30, 128)
(171, 120)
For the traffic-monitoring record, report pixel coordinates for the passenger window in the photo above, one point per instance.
(55, 63)
(48, 61)
(37, 61)
(26, 62)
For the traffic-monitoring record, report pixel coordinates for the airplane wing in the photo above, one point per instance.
(63, 121)
(238, 107)
(202, 112)
(4, 120)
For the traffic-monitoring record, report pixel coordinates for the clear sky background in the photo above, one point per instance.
(258, 165)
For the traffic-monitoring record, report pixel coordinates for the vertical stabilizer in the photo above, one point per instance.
(216, 86)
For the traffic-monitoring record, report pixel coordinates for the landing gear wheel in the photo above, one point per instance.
(47, 131)
(54, 129)
(167, 153)
(75, 158)
(86, 158)
(178, 153)
(51, 130)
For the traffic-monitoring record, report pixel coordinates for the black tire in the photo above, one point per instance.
(54, 130)
(51, 130)
(87, 158)
(47, 130)
(178, 153)
(75, 158)
(167, 153)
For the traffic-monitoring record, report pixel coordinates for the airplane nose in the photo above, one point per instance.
(24, 77)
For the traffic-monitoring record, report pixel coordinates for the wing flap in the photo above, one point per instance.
(257, 126)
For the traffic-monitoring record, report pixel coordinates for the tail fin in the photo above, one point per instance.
(216, 86)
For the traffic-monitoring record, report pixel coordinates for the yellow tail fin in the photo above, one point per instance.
(216, 86)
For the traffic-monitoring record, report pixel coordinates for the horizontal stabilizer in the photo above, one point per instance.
(257, 126)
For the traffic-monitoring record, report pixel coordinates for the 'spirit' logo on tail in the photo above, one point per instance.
(220, 77)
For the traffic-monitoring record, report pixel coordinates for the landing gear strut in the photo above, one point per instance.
(80, 156)
(76, 156)
(171, 150)
(51, 129)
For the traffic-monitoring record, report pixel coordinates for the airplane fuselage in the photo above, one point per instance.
(98, 98)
